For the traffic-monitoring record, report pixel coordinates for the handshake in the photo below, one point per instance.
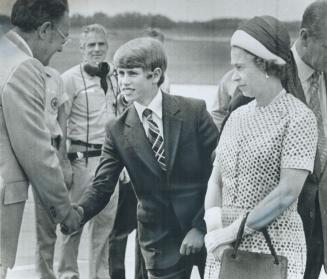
(73, 221)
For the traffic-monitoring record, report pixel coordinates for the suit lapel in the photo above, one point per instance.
(172, 124)
(137, 138)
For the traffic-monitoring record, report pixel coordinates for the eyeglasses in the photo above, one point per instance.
(66, 38)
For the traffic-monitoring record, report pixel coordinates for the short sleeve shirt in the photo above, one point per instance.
(89, 107)
(54, 98)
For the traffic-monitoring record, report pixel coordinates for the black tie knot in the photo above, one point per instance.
(147, 113)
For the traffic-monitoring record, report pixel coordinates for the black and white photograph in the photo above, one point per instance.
(151, 139)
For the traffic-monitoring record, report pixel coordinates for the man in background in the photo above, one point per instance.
(310, 54)
(93, 97)
(157, 34)
(41, 29)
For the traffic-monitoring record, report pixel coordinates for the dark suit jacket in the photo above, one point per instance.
(171, 203)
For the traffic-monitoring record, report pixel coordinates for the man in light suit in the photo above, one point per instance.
(165, 142)
(26, 154)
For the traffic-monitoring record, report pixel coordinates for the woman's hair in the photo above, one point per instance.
(145, 53)
(92, 28)
(271, 67)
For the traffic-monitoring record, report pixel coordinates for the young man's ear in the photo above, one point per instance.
(44, 29)
(157, 73)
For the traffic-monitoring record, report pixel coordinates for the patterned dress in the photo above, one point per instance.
(257, 142)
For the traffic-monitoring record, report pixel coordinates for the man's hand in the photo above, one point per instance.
(192, 243)
(72, 222)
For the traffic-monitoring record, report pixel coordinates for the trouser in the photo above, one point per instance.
(11, 216)
(3, 272)
(183, 269)
(45, 241)
(125, 223)
(99, 228)
(315, 244)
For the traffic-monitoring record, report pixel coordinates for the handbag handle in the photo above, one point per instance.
(265, 234)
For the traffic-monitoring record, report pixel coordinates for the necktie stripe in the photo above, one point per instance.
(314, 104)
(155, 139)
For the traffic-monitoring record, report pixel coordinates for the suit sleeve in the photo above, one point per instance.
(98, 194)
(208, 138)
(23, 107)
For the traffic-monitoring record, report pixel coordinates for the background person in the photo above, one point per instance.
(157, 34)
(265, 153)
(311, 58)
(26, 152)
(93, 94)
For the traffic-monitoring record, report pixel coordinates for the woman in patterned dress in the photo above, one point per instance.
(266, 151)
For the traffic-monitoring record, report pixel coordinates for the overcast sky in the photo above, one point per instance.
(188, 10)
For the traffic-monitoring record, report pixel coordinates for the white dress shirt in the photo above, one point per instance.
(156, 107)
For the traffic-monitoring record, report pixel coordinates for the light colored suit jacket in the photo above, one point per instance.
(26, 154)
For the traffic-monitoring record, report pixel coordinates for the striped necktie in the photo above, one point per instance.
(314, 104)
(155, 138)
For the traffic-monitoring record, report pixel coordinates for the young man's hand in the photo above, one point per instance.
(72, 222)
(192, 243)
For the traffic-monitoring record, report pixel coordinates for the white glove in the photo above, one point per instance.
(226, 235)
(218, 252)
(212, 217)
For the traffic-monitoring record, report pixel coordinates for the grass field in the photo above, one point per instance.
(199, 58)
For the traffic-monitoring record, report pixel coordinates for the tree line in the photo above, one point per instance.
(137, 20)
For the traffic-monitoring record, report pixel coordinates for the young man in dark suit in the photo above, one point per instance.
(165, 142)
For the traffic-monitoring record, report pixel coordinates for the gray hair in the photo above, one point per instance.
(314, 18)
(96, 28)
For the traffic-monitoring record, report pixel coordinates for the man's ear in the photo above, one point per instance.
(44, 29)
(157, 73)
(304, 37)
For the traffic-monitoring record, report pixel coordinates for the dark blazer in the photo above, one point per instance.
(171, 203)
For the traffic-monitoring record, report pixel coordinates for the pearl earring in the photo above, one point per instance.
(267, 76)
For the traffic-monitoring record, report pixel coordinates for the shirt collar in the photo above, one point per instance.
(155, 106)
(21, 42)
(304, 70)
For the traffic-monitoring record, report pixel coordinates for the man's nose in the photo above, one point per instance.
(124, 80)
(235, 76)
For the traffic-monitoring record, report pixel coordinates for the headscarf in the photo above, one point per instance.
(268, 38)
